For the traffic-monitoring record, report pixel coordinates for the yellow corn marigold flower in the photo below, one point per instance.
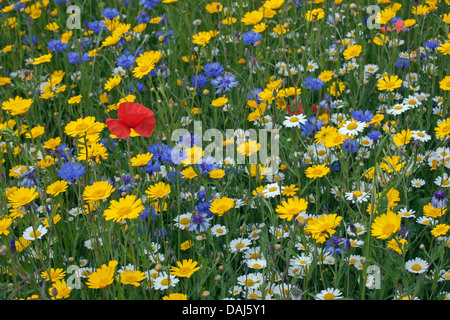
(175, 296)
(248, 148)
(398, 245)
(42, 59)
(317, 171)
(214, 7)
(185, 269)
(158, 190)
(217, 173)
(54, 220)
(402, 138)
(132, 277)
(444, 84)
(5, 223)
(57, 187)
(291, 208)
(443, 129)
(440, 230)
(252, 17)
(22, 197)
(219, 102)
(102, 277)
(17, 105)
(59, 290)
(126, 208)
(189, 173)
(112, 83)
(97, 191)
(430, 211)
(323, 227)
(386, 225)
(53, 274)
(141, 159)
(389, 83)
(202, 38)
(221, 205)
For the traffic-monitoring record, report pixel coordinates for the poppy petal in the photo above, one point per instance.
(132, 114)
(146, 127)
(118, 128)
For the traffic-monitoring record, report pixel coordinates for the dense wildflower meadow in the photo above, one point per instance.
(224, 150)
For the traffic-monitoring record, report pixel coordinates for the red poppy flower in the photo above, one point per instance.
(291, 109)
(132, 115)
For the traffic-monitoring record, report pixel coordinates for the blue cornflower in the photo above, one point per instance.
(166, 36)
(86, 42)
(96, 26)
(337, 245)
(225, 82)
(71, 171)
(126, 184)
(104, 142)
(362, 116)
(204, 206)
(125, 61)
(149, 4)
(136, 87)
(432, 44)
(402, 63)
(110, 13)
(73, 57)
(30, 178)
(394, 20)
(159, 233)
(327, 102)
(152, 166)
(214, 69)
(439, 199)
(351, 145)
(161, 152)
(251, 37)
(207, 164)
(28, 40)
(253, 95)
(336, 166)
(62, 153)
(374, 135)
(313, 83)
(199, 222)
(311, 127)
(56, 45)
(142, 17)
(199, 81)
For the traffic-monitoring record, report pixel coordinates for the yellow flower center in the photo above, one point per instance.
(124, 211)
(249, 282)
(388, 228)
(293, 119)
(416, 267)
(35, 234)
(185, 221)
(357, 193)
(317, 172)
(352, 126)
(329, 296)
(240, 245)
